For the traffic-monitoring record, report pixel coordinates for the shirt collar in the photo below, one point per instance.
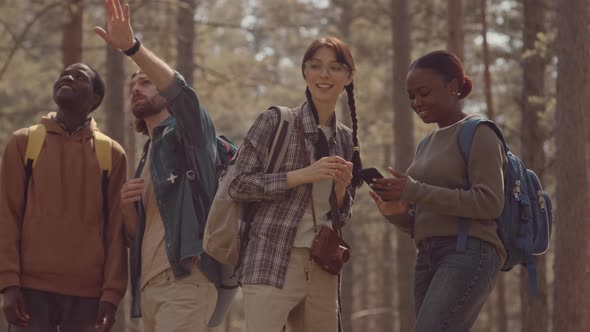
(311, 129)
(75, 131)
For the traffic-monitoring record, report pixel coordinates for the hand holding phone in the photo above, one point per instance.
(368, 174)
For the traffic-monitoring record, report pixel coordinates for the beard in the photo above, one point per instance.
(149, 107)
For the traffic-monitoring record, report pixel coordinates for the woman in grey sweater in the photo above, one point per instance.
(451, 283)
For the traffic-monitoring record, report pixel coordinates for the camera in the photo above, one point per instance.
(330, 251)
(342, 254)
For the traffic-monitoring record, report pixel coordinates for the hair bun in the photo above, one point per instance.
(466, 89)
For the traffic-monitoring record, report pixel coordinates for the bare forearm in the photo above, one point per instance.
(340, 199)
(158, 71)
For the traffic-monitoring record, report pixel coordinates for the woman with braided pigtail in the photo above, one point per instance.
(284, 282)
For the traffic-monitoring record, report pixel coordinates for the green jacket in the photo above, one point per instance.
(189, 130)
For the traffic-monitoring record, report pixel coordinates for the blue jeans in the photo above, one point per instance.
(451, 287)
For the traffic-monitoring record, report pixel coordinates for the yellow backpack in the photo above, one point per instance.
(102, 146)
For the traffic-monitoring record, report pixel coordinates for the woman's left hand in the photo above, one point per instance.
(390, 189)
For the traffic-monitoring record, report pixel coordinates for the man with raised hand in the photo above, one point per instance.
(172, 279)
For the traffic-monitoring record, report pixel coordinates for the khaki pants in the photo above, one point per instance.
(308, 301)
(170, 305)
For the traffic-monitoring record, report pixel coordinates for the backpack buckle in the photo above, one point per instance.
(542, 203)
(190, 174)
(516, 190)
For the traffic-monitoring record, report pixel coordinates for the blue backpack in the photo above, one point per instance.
(526, 220)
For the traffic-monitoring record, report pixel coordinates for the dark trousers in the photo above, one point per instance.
(52, 312)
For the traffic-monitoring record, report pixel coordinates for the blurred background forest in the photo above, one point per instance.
(529, 60)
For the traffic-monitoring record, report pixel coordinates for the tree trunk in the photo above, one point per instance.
(114, 125)
(497, 302)
(344, 24)
(114, 100)
(455, 41)
(502, 311)
(348, 282)
(365, 302)
(385, 317)
(72, 32)
(534, 308)
(403, 129)
(486, 62)
(572, 262)
(185, 37)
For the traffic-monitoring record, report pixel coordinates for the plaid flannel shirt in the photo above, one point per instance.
(274, 226)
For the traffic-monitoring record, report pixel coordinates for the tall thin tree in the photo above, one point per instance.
(347, 278)
(72, 31)
(572, 262)
(455, 16)
(502, 308)
(185, 39)
(534, 308)
(496, 304)
(486, 61)
(114, 100)
(403, 130)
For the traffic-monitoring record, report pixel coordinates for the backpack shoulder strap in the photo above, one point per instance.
(103, 146)
(281, 139)
(467, 131)
(465, 140)
(35, 141)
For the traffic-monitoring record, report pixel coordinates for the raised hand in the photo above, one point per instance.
(119, 33)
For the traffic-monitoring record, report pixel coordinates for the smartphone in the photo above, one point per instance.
(368, 174)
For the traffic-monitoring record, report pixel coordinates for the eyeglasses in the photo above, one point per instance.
(332, 69)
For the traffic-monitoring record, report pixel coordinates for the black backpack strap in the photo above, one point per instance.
(184, 168)
(105, 202)
(28, 173)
